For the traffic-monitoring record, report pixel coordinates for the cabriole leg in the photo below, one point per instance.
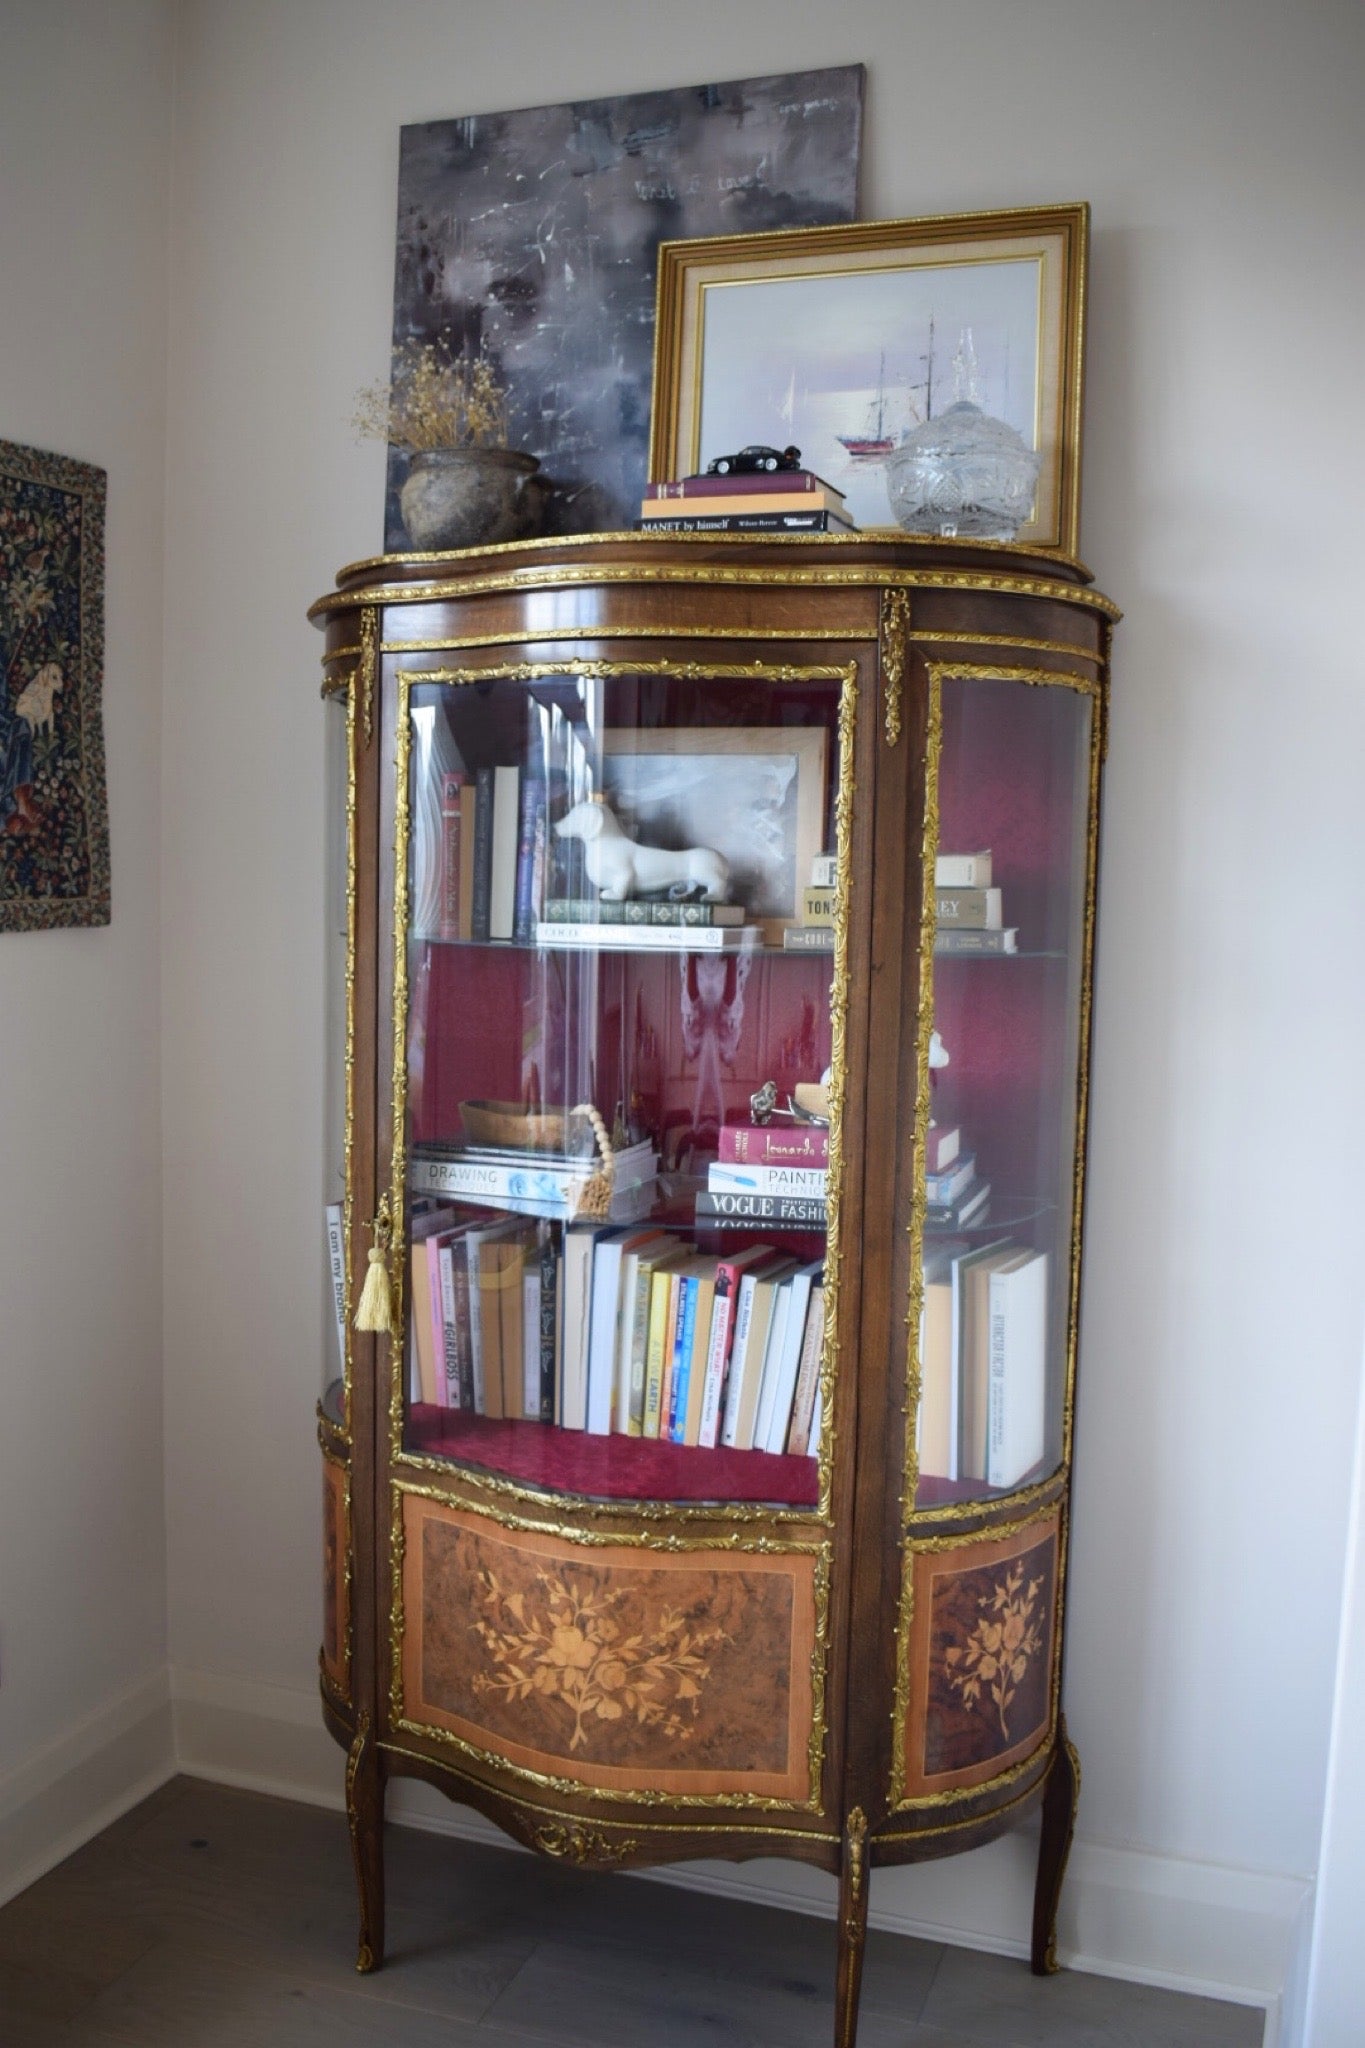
(852, 1929)
(365, 1782)
(1054, 1846)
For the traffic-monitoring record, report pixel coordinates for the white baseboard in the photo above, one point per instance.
(53, 1803)
(1195, 1927)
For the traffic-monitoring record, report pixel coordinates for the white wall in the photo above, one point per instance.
(85, 104)
(1219, 147)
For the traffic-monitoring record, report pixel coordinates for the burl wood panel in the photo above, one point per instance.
(981, 1656)
(335, 1603)
(619, 1667)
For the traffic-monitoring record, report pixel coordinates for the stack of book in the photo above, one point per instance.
(616, 1330)
(956, 1197)
(777, 501)
(532, 1183)
(776, 1174)
(815, 931)
(968, 911)
(983, 1363)
(646, 922)
(489, 848)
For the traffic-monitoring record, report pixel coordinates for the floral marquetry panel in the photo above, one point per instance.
(981, 1658)
(627, 1669)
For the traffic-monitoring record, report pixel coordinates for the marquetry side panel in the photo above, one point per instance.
(626, 1669)
(981, 1659)
(336, 1595)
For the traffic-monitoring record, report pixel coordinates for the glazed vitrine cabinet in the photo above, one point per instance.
(713, 951)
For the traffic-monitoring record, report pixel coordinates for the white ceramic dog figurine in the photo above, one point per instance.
(620, 867)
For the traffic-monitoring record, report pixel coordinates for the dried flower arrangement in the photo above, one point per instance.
(436, 399)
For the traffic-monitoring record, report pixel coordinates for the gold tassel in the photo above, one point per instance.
(375, 1308)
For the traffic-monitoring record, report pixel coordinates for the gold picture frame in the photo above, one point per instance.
(834, 338)
(688, 783)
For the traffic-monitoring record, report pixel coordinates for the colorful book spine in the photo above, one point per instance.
(807, 1375)
(741, 484)
(662, 1295)
(753, 1208)
(531, 855)
(436, 1312)
(810, 1181)
(549, 1324)
(502, 882)
(452, 817)
(336, 1265)
(450, 1327)
(530, 1338)
(683, 1347)
(483, 854)
(460, 1288)
(773, 1145)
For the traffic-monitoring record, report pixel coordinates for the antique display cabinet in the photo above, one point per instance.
(713, 947)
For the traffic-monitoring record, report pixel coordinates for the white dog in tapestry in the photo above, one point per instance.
(34, 703)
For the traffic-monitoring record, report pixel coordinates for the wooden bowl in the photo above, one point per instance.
(508, 1124)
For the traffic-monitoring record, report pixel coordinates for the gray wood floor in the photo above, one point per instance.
(216, 1919)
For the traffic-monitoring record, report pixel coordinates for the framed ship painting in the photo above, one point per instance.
(54, 826)
(841, 339)
(530, 237)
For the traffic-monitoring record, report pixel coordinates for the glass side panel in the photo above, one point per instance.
(334, 1135)
(620, 918)
(1014, 782)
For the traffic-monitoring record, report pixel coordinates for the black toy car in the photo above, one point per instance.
(750, 460)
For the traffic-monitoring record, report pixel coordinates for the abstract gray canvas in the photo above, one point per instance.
(533, 235)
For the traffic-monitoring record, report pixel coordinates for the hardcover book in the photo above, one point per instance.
(773, 1145)
(811, 1181)
(708, 520)
(963, 939)
(453, 857)
(743, 484)
(663, 938)
(755, 1208)
(963, 870)
(752, 499)
(758, 1293)
(482, 880)
(975, 909)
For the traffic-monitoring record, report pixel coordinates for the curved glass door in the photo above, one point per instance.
(1009, 961)
(339, 971)
(619, 895)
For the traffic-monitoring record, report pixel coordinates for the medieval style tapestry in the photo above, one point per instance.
(54, 824)
(529, 239)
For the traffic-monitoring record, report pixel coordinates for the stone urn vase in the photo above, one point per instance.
(467, 497)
